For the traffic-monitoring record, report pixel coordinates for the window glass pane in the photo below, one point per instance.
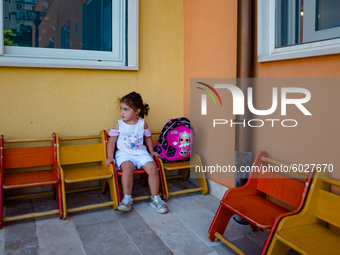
(305, 21)
(62, 24)
(288, 22)
(328, 14)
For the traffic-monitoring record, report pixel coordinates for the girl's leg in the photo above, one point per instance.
(151, 169)
(127, 177)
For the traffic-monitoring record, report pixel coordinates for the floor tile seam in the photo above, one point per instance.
(128, 234)
(73, 229)
(81, 243)
(194, 209)
(110, 207)
(255, 243)
(4, 228)
(30, 203)
(103, 221)
(236, 237)
(52, 246)
(204, 205)
(197, 237)
(35, 226)
(160, 237)
(253, 239)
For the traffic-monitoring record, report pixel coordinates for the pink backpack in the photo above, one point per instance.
(176, 140)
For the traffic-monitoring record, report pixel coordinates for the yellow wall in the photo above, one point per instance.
(36, 102)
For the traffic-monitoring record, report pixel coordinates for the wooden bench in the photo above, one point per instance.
(307, 232)
(85, 162)
(252, 203)
(24, 167)
(183, 169)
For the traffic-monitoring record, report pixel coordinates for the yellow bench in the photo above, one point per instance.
(85, 162)
(183, 169)
(307, 232)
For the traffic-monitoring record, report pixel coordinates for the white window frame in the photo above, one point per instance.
(266, 39)
(37, 57)
(309, 32)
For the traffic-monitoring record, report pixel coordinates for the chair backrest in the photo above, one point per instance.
(285, 189)
(328, 203)
(155, 135)
(86, 153)
(29, 156)
(275, 184)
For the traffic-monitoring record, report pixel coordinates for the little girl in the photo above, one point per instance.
(131, 153)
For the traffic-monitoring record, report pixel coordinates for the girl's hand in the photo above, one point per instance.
(154, 154)
(108, 161)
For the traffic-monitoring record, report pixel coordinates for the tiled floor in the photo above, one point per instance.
(184, 230)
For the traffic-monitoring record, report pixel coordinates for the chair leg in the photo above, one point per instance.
(64, 200)
(184, 174)
(220, 222)
(163, 179)
(113, 193)
(102, 185)
(145, 179)
(202, 182)
(253, 227)
(60, 201)
(54, 191)
(1, 202)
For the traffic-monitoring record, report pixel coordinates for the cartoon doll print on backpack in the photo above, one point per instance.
(176, 140)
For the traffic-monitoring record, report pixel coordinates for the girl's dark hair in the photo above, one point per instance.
(135, 101)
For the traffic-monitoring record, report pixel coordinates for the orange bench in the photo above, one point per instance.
(21, 168)
(252, 204)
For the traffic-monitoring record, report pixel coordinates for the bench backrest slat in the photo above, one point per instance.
(328, 208)
(285, 189)
(76, 154)
(28, 157)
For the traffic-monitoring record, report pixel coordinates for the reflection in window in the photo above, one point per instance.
(97, 30)
(65, 37)
(88, 24)
(50, 44)
(303, 21)
(328, 13)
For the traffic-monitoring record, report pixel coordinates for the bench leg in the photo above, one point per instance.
(113, 192)
(54, 191)
(102, 184)
(202, 182)
(1, 202)
(60, 200)
(220, 222)
(63, 193)
(253, 227)
(277, 248)
(144, 177)
(184, 173)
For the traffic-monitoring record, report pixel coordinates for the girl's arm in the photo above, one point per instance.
(111, 147)
(148, 143)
